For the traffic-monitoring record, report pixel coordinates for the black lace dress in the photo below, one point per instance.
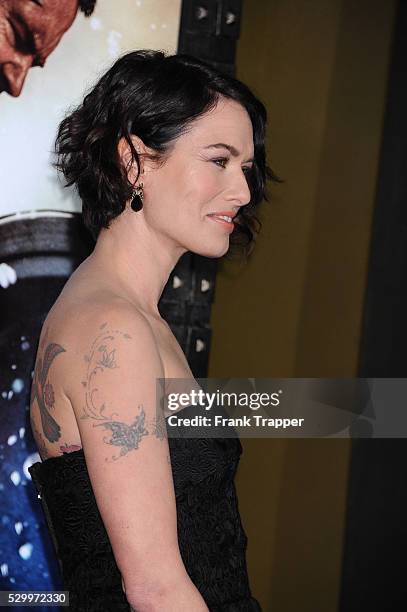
(211, 538)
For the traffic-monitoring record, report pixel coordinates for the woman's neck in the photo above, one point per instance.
(135, 261)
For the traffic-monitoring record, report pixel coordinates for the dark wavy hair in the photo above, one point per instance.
(156, 97)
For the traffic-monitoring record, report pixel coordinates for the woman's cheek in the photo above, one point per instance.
(212, 183)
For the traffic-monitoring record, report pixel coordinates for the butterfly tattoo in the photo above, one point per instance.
(127, 437)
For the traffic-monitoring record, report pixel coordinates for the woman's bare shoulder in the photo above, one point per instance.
(82, 324)
(75, 315)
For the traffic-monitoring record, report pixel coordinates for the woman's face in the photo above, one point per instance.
(204, 174)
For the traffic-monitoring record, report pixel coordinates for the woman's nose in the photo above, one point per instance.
(15, 72)
(241, 189)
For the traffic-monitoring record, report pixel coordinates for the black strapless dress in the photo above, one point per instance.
(211, 537)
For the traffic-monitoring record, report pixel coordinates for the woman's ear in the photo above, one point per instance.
(126, 157)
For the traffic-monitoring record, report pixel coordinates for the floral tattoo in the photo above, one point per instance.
(102, 357)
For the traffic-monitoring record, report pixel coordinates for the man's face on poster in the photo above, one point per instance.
(29, 31)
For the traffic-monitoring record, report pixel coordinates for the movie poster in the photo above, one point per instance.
(51, 52)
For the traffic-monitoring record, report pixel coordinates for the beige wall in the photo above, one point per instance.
(295, 309)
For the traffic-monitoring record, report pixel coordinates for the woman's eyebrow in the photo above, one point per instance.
(231, 148)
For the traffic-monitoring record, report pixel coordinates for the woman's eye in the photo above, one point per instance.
(222, 161)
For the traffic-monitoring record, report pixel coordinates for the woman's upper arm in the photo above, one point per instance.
(126, 448)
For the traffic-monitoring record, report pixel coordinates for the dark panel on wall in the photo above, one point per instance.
(209, 30)
(383, 349)
(376, 529)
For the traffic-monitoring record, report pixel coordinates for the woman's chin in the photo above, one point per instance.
(213, 251)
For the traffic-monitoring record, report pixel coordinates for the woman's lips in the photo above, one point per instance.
(229, 225)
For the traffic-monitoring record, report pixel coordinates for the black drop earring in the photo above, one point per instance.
(136, 200)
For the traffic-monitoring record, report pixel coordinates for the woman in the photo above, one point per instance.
(168, 156)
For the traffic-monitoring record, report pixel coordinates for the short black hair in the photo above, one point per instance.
(156, 97)
(87, 6)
